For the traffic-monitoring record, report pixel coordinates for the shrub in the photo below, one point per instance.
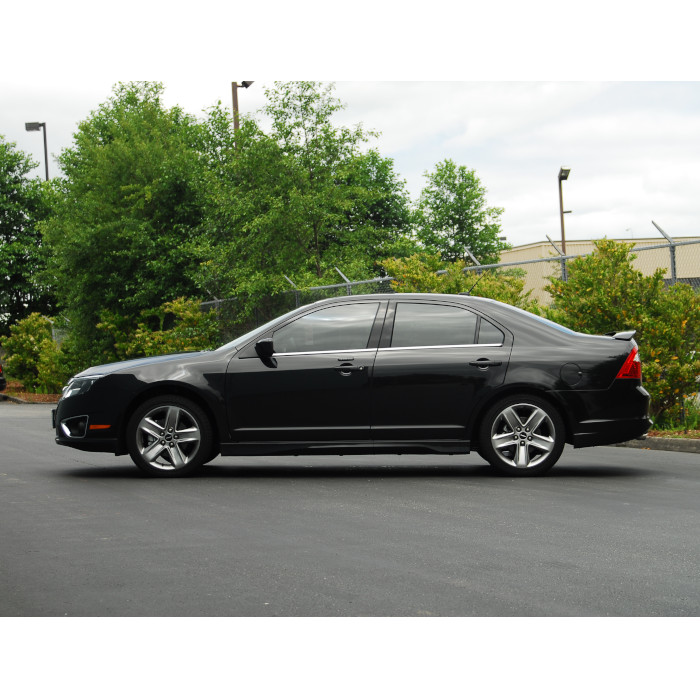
(605, 293)
(23, 348)
(417, 273)
(176, 326)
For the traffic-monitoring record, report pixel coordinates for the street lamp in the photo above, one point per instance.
(563, 175)
(35, 126)
(234, 92)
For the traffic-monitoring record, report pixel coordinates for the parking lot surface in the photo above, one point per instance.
(609, 532)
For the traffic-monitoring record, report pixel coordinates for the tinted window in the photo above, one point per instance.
(489, 334)
(432, 324)
(344, 327)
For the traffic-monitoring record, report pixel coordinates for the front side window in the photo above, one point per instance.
(345, 327)
(432, 324)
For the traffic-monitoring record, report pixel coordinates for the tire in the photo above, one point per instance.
(169, 436)
(522, 436)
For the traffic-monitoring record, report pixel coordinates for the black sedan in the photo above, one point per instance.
(388, 373)
(3, 381)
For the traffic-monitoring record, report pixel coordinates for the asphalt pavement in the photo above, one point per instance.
(609, 532)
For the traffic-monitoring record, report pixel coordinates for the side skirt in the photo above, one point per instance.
(248, 449)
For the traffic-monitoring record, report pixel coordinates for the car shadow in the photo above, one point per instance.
(220, 470)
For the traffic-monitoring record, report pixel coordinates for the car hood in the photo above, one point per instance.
(139, 362)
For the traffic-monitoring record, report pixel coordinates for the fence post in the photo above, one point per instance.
(564, 271)
(296, 291)
(347, 282)
(672, 250)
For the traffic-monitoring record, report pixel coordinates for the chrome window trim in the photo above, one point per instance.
(323, 352)
(437, 347)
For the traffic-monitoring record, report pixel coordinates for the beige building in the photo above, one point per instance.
(648, 261)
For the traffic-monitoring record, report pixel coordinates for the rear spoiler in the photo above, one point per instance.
(622, 335)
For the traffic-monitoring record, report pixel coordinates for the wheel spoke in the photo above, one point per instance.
(188, 434)
(503, 440)
(511, 418)
(522, 458)
(177, 458)
(535, 419)
(172, 417)
(150, 427)
(542, 442)
(152, 452)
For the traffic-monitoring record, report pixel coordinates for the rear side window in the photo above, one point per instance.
(489, 334)
(345, 327)
(418, 325)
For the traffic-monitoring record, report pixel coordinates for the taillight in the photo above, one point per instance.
(632, 368)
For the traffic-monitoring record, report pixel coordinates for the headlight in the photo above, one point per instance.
(79, 385)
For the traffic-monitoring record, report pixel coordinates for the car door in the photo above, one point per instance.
(435, 362)
(316, 386)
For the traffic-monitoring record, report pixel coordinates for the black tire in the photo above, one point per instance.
(522, 436)
(169, 436)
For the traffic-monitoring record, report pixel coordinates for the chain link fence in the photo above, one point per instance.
(680, 259)
(231, 311)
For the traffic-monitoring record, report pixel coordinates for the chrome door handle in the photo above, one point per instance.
(348, 369)
(483, 363)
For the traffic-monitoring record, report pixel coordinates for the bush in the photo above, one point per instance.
(605, 293)
(23, 347)
(176, 326)
(417, 273)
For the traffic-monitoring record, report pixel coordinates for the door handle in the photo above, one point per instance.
(484, 363)
(349, 369)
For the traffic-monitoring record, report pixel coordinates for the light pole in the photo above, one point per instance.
(35, 126)
(563, 175)
(234, 92)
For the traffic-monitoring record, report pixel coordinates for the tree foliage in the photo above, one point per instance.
(418, 273)
(129, 202)
(604, 293)
(452, 215)
(299, 200)
(22, 206)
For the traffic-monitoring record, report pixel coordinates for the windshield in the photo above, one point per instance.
(260, 330)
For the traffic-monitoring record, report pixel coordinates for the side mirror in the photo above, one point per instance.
(265, 348)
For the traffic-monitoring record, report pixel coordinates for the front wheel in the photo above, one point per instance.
(169, 436)
(522, 436)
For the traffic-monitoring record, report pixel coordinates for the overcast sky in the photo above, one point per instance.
(629, 130)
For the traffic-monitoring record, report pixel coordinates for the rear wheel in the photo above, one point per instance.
(522, 436)
(169, 436)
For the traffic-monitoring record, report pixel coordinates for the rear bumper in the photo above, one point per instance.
(616, 414)
(609, 432)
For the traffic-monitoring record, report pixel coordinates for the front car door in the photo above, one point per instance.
(435, 362)
(316, 386)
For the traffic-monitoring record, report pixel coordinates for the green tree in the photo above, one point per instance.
(122, 217)
(22, 206)
(452, 215)
(605, 293)
(299, 200)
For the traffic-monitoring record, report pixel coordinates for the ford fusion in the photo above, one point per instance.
(388, 373)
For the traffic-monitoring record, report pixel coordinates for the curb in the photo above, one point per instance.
(667, 444)
(12, 399)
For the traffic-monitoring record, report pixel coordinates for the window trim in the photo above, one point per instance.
(439, 347)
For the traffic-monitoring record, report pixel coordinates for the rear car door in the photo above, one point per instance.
(435, 362)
